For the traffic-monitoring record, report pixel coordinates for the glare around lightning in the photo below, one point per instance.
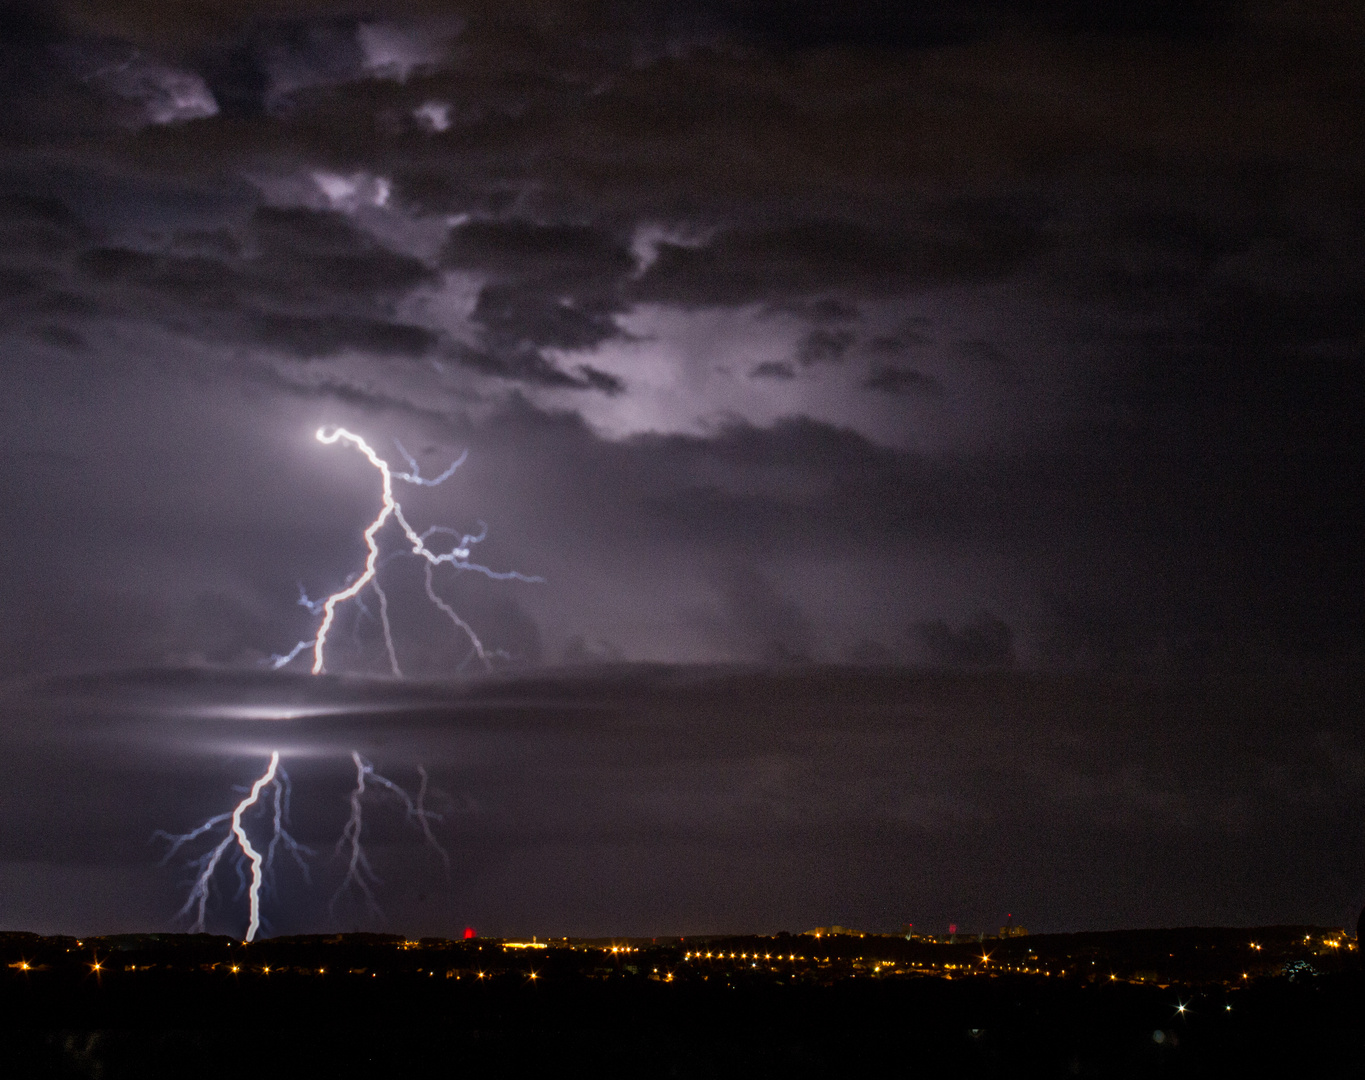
(457, 557)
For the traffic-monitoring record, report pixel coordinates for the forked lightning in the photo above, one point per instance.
(253, 868)
(457, 557)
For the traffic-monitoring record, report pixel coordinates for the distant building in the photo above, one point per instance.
(834, 931)
(1011, 930)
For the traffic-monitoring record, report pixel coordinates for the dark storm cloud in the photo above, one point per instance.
(883, 24)
(1115, 529)
(956, 242)
(772, 369)
(759, 622)
(985, 641)
(784, 257)
(37, 233)
(990, 359)
(824, 347)
(311, 283)
(273, 62)
(893, 380)
(887, 25)
(865, 23)
(303, 281)
(879, 796)
(549, 286)
(34, 97)
(824, 310)
(60, 87)
(847, 487)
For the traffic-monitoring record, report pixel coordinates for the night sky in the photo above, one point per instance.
(938, 426)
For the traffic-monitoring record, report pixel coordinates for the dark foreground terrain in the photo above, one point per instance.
(1286, 1001)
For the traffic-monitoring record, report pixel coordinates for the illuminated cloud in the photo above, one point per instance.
(166, 95)
(159, 92)
(349, 193)
(647, 239)
(433, 115)
(396, 52)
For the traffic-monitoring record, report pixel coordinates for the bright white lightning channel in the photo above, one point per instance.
(274, 780)
(273, 786)
(457, 557)
(254, 868)
(250, 852)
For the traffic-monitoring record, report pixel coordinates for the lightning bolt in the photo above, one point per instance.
(250, 852)
(276, 782)
(280, 835)
(457, 557)
(359, 873)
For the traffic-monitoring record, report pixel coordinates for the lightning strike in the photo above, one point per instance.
(255, 869)
(280, 835)
(275, 781)
(457, 557)
(359, 873)
(388, 630)
(460, 624)
(250, 852)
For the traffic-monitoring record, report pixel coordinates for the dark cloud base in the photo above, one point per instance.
(654, 799)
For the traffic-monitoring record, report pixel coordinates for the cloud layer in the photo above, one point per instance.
(654, 800)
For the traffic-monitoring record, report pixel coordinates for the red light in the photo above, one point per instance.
(952, 928)
(469, 933)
